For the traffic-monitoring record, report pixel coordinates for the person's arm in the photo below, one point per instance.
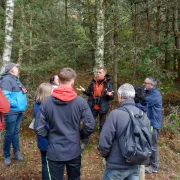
(40, 122)
(4, 104)
(107, 135)
(6, 87)
(88, 121)
(109, 92)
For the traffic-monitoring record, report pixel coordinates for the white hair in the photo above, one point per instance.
(126, 91)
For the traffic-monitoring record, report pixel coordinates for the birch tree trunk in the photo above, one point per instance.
(99, 53)
(8, 33)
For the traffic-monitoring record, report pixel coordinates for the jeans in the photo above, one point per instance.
(73, 167)
(45, 173)
(12, 126)
(122, 174)
(154, 160)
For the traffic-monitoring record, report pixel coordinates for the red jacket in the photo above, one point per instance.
(4, 108)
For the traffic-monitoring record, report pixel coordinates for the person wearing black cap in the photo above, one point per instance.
(15, 92)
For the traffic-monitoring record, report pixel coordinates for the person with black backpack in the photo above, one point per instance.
(125, 140)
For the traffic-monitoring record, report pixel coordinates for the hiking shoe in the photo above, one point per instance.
(148, 170)
(83, 145)
(18, 156)
(7, 161)
(155, 171)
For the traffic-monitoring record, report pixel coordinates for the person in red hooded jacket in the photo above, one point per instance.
(64, 112)
(4, 108)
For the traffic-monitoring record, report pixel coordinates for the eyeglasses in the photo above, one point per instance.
(147, 83)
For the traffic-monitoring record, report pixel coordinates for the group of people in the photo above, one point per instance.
(64, 121)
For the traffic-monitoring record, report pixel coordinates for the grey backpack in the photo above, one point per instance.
(135, 142)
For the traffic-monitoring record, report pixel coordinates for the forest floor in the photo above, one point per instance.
(92, 162)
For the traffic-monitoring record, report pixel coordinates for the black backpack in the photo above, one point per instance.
(135, 142)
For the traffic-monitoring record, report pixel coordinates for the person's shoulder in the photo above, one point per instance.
(80, 98)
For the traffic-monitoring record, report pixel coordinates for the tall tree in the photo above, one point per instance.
(8, 32)
(99, 53)
(177, 36)
(116, 29)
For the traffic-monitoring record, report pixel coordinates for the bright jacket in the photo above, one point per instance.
(64, 111)
(154, 110)
(12, 89)
(104, 100)
(4, 108)
(42, 142)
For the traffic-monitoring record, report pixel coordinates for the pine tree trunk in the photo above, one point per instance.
(66, 13)
(115, 75)
(99, 53)
(30, 40)
(167, 58)
(8, 32)
(21, 38)
(158, 31)
(177, 38)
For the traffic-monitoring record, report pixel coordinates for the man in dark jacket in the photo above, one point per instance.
(154, 113)
(16, 95)
(64, 111)
(115, 125)
(99, 93)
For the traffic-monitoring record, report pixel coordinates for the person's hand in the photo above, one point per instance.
(109, 93)
(80, 88)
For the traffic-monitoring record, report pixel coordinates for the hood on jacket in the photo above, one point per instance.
(64, 94)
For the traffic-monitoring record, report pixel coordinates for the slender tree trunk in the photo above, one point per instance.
(99, 54)
(90, 19)
(21, 38)
(177, 37)
(8, 32)
(66, 13)
(135, 57)
(158, 31)
(148, 21)
(167, 58)
(30, 39)
(116, 18)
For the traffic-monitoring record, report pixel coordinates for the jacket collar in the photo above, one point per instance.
(127, 102)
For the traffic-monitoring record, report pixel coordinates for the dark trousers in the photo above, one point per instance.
(45, 173)
(155, 151)
(102, 118)
(73, 167)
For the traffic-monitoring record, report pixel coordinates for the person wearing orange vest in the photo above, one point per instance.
(99, 93)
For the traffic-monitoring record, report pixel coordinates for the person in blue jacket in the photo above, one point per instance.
(15, 92)
(43, 91)
(154, 113)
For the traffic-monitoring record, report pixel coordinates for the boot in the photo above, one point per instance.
(18, 156)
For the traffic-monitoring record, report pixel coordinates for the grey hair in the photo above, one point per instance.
(153, 80)
(126, 91)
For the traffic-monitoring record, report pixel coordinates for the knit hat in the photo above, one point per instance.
(9, 66)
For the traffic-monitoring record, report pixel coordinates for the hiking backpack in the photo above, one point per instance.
(136, 141)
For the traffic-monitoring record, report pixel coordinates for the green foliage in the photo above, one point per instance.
(172, 120)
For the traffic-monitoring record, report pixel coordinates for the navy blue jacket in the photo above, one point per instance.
(113, 128)
(42, 142)
(154, 104)
(13, 92)
(64, 119)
